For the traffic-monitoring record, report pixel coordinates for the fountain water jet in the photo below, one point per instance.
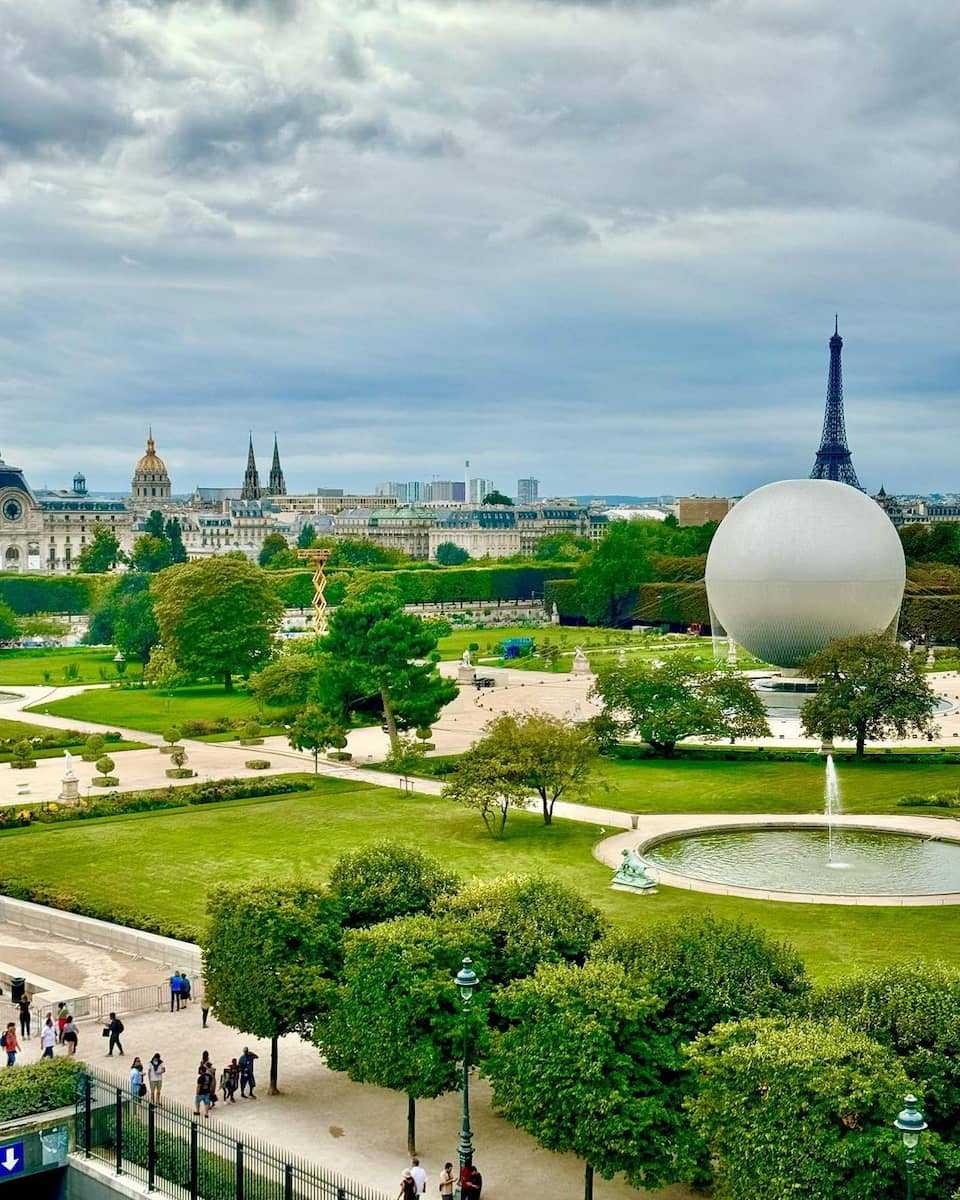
(831, 791)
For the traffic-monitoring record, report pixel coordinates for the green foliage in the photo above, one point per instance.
(562, 547)
(565, 594)
(804, 1108)
(151, 553)
(306, 537)
(933, 618)
(216, 616)
(269, 954)
(172, 735)
(673, 604)
(105, 764)
(449, 554)
(521, 754)
(869, 688)
(178, 756)
(450, 585)
(9, 626)
(274, 547)
(914, 1009)
(939, 542)
(257, 764)
(22, 755)
(28, 594)
(101, 554)
(135, 630)
(357, 552)
(315, 729)
(374, 647)
(288, 681)
(677, 699)
(527, 920)
(93, 747)
(38, 1087)
(580, 1066)
(496, 497)
(387, 880)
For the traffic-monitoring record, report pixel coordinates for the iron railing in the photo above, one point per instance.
(164, 1147)
(139, 999)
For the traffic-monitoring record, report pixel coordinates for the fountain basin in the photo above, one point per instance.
(863, 862)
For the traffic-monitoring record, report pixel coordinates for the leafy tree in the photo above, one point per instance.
(374, 647)
(288, 681)
(395, 1020)
(387, 880)
(273, 544)
(914, 1009)
(405, 758)
(173, 532)
(868, 688)
(562, 547)
(315, 729)
(101, 554)
(449, 554)
(151, 554)
(154, 524)
(677, 699)
(804, 1108)
(524, 753)
(527, 920)
(579, 1066)
(135, 631)
(483, 781)
(9, 627)
(609, 582)
(216, 616)
(496, 497)
(269, 955)
(356, 552)
(306, 537)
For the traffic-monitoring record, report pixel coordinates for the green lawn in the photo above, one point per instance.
(563, 636)
(164, 862)
(153, 710)
(20, 729)
(54, 667)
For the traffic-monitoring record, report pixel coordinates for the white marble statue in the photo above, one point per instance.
(69, 774)
(465, 659)
(578, 654)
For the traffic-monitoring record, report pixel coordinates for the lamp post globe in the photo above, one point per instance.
(911, 1124)
(466, 981)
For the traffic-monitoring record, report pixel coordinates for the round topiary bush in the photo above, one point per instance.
(251, 735)
(93, 747)
(22, 755)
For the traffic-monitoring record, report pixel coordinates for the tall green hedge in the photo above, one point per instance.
(429, 585)
(564, 593)
(29, 594)
(933, 617)
(38, 1087)
(674, 603)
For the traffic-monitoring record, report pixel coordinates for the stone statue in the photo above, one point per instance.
(578, 654)
(465, 659)
(70, 787)
(69, 774)
(633, 873)
(581, 664)
(555, 614)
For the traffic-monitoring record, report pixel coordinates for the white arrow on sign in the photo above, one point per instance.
(10, 1159)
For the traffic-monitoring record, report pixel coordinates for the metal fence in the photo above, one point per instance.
(139, 999)
(164, 1147)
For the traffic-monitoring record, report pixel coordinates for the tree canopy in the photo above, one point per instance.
(101, 554)
(449, 554)
(288, 681)
(316, 729)
(387, 880)
(217, 616)
(373, 647)
(679, 698)
(269, 956)
(276, 553)
(497, 497)
(868, 688)
(9, 623)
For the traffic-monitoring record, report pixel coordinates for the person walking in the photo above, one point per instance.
(204, 1094)
(114, 1027)
(10, 1043)
(419, 1176)
(24, 1007)
(207, 1065)
(48, 1038)
(175, 986)
(185, 988)
(229, 1079)
(62, 1013)
(448, 1180)
(408, 1188)
(70, 1036)
(138, 1089)
(155, 1073)
(204, 1013)
(247, 1078)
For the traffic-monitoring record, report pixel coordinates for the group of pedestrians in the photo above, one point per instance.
(413, 1182)
(180, 989)
(63, 1032)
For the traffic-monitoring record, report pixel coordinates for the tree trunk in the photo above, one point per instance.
(274, 1048)
(547, 808)
(227, 682)
(389, 718)
(861, 740)
(316, 755)
(411, 1126)
(587, 1182)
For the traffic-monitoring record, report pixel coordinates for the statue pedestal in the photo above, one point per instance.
(581, 666)
(69, 792)
(465, 674)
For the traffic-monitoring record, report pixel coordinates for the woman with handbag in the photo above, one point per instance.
(138, 1089)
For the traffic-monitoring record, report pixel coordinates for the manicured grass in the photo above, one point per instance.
(562, 636)
(38, 667)
(163, 863)
(153, 710)
(20, 729)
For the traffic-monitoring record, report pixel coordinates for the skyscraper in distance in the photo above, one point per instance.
(528, 490)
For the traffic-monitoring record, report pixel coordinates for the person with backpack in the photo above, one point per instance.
(175, 992)
(9, 1043)
(185, 988)
(247, 1080)
(112, 1030)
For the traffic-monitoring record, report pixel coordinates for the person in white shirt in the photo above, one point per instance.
(48, 1038)
(419, 1176)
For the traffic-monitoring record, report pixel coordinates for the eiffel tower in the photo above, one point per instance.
(833, 457)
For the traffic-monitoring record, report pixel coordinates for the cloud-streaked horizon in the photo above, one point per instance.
(596, 241)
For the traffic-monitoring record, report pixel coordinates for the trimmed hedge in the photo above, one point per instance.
(565, 594)
(38, 1087)
(674, 603)
(71, 594)
(726, 753)
(936, 618)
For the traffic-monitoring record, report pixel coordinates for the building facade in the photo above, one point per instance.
(150, 487)
(698, 510)
(528, 491)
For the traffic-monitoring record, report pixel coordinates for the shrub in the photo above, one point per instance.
(340, 755)
(179, 773)
(38, 1087)
(105, 764)
(23, 755)
(172, 735)
(389, 880)
(257, 764)
(106, 780)
(178, 755)
(251, 735)
(93, 747)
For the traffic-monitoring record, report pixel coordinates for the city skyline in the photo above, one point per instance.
(614, 271)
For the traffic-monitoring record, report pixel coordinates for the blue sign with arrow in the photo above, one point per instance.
(11, 1159)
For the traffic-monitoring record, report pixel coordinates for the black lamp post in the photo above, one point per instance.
(466, 981)
(911, 1124)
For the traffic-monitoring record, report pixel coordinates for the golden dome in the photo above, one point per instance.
(151, 462)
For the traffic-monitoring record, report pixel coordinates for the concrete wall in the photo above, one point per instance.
(167, 951)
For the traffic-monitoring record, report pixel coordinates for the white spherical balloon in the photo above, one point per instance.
(798, 563)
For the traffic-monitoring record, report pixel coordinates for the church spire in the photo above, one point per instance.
(278, 485)
(251, 479)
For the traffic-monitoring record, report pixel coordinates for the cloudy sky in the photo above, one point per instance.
(594, 241)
